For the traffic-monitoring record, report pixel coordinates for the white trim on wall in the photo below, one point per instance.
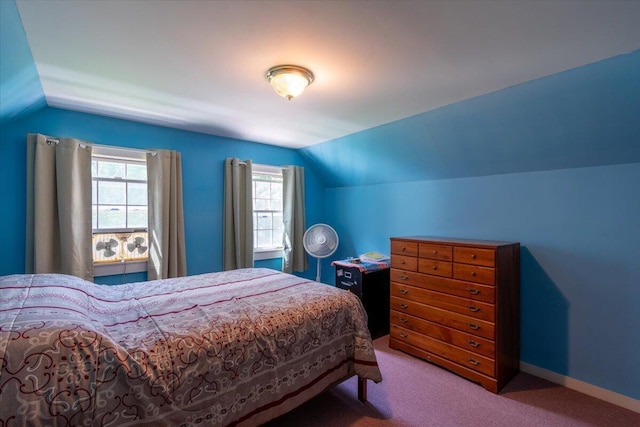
(583, 387)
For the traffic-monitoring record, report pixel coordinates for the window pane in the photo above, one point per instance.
(137, 217)
(112, 217)
(137, 172)
(275, 205)
(264, 221)
(262, 190)
(111, 193)
(94, 168)
(264, 238)
(137, 194)
(276, 191)
(261, 204)
(94, 217)
(94, 192)
(278, 225)
(111, 169)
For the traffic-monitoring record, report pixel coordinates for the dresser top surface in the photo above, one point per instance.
(455, 241)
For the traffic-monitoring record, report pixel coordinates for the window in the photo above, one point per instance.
(267, 212)
(119, 208)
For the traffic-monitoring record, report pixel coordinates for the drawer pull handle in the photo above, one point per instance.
(404, 249)
(473, 256)
(474, 362)
(473, 326)
(473, 273)
(435, 252)
(403, 335)
(402, 262)
(404, 277)
(473, 291)
(404, 291)
(473, 343)
(405, 306)
(402, 320)
(435, 267)
(474, 309)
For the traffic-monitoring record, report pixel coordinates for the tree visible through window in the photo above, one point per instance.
(267, 208)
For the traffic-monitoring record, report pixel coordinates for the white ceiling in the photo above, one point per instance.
(199, 65)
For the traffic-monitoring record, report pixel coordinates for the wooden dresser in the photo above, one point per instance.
(456, 303)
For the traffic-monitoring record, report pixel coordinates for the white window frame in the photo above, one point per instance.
(276, 252)
(119, 266)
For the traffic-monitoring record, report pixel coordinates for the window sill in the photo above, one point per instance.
(260, 255)
(120, 267)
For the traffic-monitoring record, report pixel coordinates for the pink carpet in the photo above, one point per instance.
(416, 393)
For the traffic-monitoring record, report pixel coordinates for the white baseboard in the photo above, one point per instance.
(583, 387)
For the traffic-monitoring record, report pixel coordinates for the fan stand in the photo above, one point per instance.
(318, 270)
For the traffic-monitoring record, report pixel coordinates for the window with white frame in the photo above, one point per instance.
(267, 211)
(119, 207)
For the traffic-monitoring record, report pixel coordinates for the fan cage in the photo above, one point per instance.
(317, 248)
(122, 253)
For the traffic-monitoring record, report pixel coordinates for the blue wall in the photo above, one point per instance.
(580, 236)
(553, 164)
(202, 168)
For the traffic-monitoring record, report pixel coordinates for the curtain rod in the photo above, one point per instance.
(115, 147)
(262, 166)
(108, 147)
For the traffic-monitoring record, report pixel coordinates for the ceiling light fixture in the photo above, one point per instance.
(289, 80)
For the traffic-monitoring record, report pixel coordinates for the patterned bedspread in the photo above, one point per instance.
(233, 348)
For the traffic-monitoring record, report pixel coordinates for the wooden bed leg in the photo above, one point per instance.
(362, 389)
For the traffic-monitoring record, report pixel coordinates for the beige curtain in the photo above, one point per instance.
(58, 206)
(167, 252)
(238, 214)
(294, 257)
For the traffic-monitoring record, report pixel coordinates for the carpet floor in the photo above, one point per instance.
(416, 393)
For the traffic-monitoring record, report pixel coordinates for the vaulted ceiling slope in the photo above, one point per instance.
(199, 65)
(20, 89)
(588, 116)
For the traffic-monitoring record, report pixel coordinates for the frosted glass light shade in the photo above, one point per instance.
(289, 80)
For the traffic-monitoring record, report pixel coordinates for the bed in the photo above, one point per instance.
(233, 348)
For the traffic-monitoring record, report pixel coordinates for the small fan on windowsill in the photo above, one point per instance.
(137, 245)
(108, 247)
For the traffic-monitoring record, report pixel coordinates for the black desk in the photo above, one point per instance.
(372, 287)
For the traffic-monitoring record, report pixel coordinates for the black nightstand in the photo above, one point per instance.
(373, 290)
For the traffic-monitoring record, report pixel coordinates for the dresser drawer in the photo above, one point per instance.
(444, 317)
(476, 256)
(460, 339)
(432, 251)
(474, 273)
(437, 268)
(459, 288)
(475, 309)
(402, 247)
(471, 360)
(404, 262)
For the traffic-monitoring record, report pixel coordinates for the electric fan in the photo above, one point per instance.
(107, 247)
(137, 244)
(320, 241)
